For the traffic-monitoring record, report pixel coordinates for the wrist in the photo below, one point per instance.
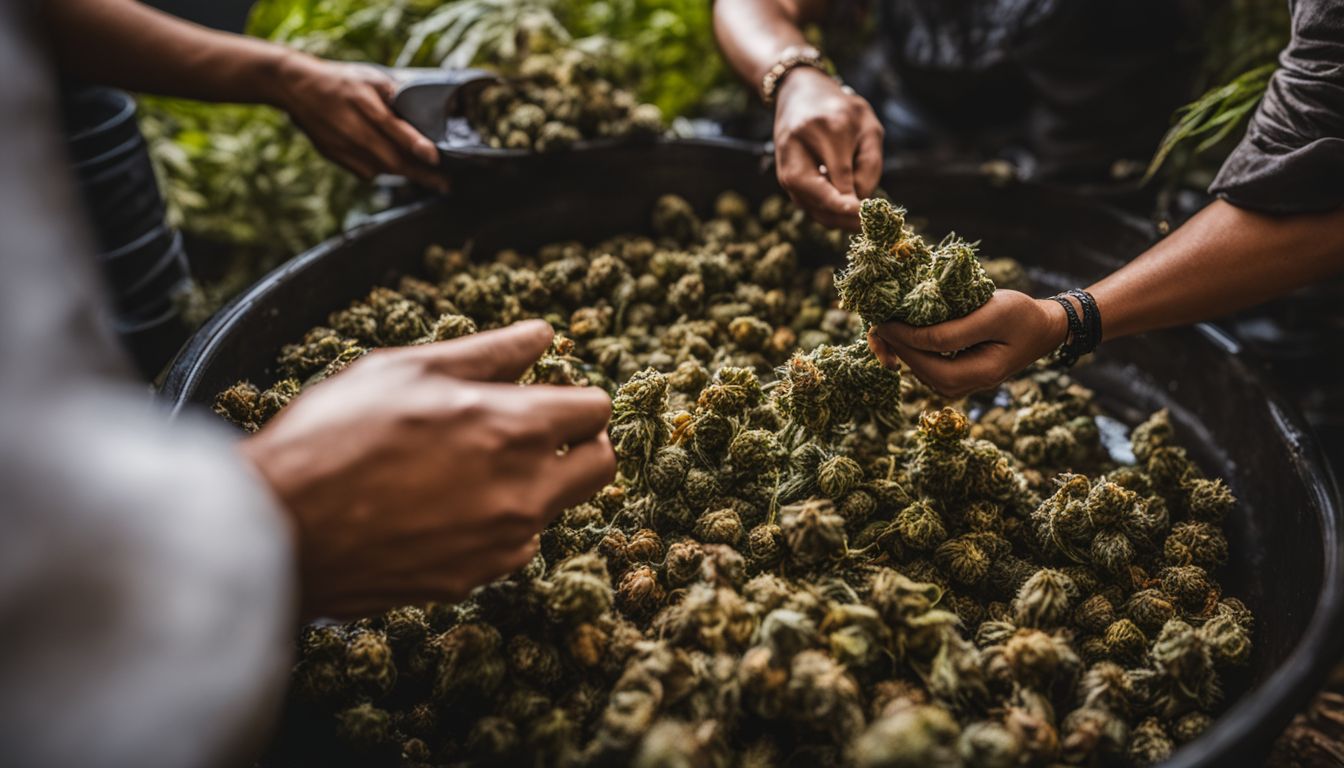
(1056, 322)
(278, 74)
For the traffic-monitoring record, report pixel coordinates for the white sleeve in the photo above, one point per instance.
(146, 576)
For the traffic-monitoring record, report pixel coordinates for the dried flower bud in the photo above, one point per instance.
(1150, 609)
(765, 545)
(1043, 601)
(1125, 641)
(683, 562)
(909, 738)
(667, 471)
(470, 665)
(368, 664)
(534, 662)
(990, 745)
(1196, 543)
(451, 326)
(405, 628)
(838, 475)
(1228, 641)
(963, 559)
(1190, 727)
(364, 726)
(813, 532)
(756, 452)
(721, 526)
(1106, 686)
(821, 694)
(639, 594)
(1094, 614)
(920, 526)
(1092, 735)
(1208, 500)
(1190, 587)
(1149, 743)
(492, 738)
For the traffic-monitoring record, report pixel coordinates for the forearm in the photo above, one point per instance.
(1222, 260)
(752, 33)
(126, 44)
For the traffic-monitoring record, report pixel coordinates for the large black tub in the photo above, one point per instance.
(1286, 563)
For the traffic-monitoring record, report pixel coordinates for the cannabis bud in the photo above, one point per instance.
(893, 275)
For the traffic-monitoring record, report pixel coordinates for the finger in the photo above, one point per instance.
(811, 190)
(839, 167)
(883, 351)
(574, 414)
(503, 354)
(982, 325)
(429, 179)
(971, 371)
(387, 154)
(338, 149)
(868, 162)
(581, 473)
(397, 130)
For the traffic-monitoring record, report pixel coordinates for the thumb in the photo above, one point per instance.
(503, 354)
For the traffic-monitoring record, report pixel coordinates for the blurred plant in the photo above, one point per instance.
(1242, 39)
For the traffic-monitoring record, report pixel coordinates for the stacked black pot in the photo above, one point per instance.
(141, 257)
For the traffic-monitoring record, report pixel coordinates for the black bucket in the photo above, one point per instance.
(141, 258)
(1286, 542)
(112, 166)
(160, 268)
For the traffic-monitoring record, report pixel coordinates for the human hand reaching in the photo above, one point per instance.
(422, 472)
(344, 108)
(818, 122)
(1010, 332)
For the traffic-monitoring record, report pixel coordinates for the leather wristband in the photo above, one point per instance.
(1084, 331)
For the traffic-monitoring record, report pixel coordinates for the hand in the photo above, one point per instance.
(1010, 332)
(344, 110)
(818, 122)
(422, 472)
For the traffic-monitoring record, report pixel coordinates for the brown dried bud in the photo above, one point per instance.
(813, 532)
(721, 526)
(765, 545)
(1149, 743)
(1125, 641)
(368, 664)
(683, 562)
(838, 475)
(1043, 601)
(639, 594)
(1191, 589)
(364, 726)
(1196, 543)
(534, 662)
(915, 736)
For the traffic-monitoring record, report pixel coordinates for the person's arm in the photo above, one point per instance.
(1222, 260)
(342, 107)
(818, 123)
(1278, 226)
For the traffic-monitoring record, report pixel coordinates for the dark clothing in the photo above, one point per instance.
(1292, 157)
(1078, 83)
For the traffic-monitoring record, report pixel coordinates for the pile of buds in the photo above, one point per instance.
(551, 100)
(807, 558)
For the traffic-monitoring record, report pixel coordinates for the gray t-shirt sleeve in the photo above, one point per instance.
(146, 575)
(1292, 157)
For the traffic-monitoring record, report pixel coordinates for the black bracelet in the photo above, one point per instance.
(1084, 332)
